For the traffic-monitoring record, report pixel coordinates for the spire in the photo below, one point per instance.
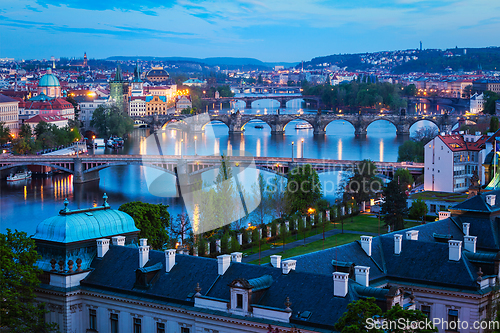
(118, 75)
(105, 197)
(137, 73)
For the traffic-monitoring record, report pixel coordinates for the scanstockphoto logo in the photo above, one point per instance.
(212, 200)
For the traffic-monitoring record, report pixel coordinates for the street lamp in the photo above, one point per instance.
(292, 151)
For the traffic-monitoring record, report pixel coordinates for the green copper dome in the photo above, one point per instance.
(49, 80)
(84, 224)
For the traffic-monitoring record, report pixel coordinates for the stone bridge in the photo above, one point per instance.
(277, 122)
(282, 99)
(86, 168)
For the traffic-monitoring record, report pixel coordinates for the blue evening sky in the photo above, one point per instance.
(272, 30)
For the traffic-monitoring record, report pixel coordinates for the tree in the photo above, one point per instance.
(180, 227)
(418, 209)
(493, 125)
(398, 313)
(19, 278)
(22, 146)
(404, 178)
(410, 90)
(362, 315)
(467, 91)
(153, 221)
(489, 103)
(111, 121)
(394, 208)
(364, 183)
(5, 135)
(275, 194)
(411, 151)
(25, 131)
(355, 318)
(303, 189)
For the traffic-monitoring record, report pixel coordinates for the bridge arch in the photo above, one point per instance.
(303, 119)
(337, 121)
(104, 166)
(379, 121)
(422, 123)
(255, 120)
(271, 99)
(215, 121)
(173, 121)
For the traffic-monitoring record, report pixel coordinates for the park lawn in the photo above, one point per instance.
(331, 241)
(362, 222)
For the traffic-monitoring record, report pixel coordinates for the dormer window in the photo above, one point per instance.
(239, 301)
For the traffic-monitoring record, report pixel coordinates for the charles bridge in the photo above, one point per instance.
(277, 122)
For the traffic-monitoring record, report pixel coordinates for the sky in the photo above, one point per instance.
(270, 30)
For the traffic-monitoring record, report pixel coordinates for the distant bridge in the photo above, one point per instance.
(282, 99)
(237, 121)
(86, 168)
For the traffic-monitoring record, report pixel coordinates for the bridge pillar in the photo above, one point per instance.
(359, 131)
(318, 130)
(248, 104)
(235, 123)
(403, 129)
(79, 176)
(186, 183)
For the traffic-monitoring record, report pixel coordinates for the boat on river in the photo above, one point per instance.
(20, 175)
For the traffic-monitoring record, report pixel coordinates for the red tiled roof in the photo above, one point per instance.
(457, 143)
(48, 119)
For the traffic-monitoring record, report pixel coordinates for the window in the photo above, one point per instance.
(239, 301)
(160, 327)
(185, 330)
(426, 310)
(92, 319)
(433, 208)
(114, 322)
(137, 325)
(453, 320)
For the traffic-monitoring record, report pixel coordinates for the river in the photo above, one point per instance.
(24, 204)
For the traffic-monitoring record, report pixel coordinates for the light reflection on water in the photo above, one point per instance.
(25, 204)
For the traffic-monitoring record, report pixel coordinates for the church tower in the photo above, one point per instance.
(117, 93)
(137, 84)
(85, 59)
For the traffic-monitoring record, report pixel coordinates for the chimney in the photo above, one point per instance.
(465, 228)
(288, 265)
(366, 244)
(340, 284)
(470, 243)
(169, 259)
(398, 243)
(102, 247)
(118, 240)
(223, 262)
(143, 252)
(362, 275)
(276, 261)
(490, 199)
(444, 215)
(236, 256)
(412, 235)
(455, 250)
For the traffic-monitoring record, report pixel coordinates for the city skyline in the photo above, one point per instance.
(276, 31)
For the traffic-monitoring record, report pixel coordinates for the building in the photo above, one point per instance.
(482, 85)
(451, 160)
(183, 102)
(98, 276)
(118, 91)
(9, 113)
(136, 88)
(49, 85)
(195, 83)
(157, 75)
(87, 105)
(156, 105)
(47, 106)
(137, 106)
(56, 120)
(477, 103)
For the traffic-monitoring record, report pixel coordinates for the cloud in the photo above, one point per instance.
(143, 6)
(33, 9)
